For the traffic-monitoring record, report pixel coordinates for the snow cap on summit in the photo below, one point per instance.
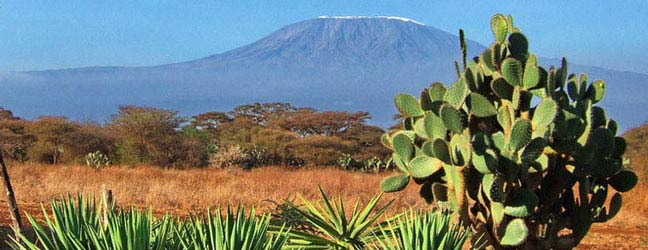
(383, 17)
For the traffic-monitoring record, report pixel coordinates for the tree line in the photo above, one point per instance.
(248, 135)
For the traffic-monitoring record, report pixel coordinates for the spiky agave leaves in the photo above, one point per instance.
(416, 230)
(336, 229)
(81, 224)
(231, 230)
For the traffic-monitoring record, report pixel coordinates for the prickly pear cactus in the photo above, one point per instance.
(97, 159)
(520, 153)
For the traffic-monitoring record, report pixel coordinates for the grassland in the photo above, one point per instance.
(181, 192)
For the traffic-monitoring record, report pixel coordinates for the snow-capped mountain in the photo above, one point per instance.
(341, 63)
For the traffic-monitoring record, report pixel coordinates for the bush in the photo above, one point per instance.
(320, 150)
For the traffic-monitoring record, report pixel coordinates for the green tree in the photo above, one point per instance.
(53, 138)
(147, 135)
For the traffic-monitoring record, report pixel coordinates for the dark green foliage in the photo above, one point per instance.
(519, 139)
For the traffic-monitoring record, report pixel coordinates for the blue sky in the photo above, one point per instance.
(63, 34)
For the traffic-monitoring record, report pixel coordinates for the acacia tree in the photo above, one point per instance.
(53, 135)
(14, 138)
(146, 134)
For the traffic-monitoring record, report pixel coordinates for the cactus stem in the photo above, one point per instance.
(460, 192)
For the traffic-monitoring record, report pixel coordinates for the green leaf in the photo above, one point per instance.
(441, 150)
(624, 181)
(615, 205)
(499, 27)
(515, 233)
(424, 166)
(521, 203)
(512, 71)
(408, 105)
(485, 163)
(545, 113)
(518, 45)
(480, 106)
(533, 150)
(531, 76)
(403, 146)
(502, 89)
(504, 115)
(452, 119)
(394, 183)
(456, 94)
(596, 91)
(520, 135)
(437, 91)
(434, 126)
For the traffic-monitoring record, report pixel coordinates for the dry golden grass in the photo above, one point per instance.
(184, 191)
(189, 191)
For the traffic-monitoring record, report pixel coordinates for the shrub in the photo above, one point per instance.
(513, 148)
(320, 150)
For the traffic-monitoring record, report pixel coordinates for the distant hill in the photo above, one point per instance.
(338, 63)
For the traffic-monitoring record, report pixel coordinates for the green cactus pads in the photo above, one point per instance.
(545, 113)
(531, 76)
(441, 150)
(408, 105)
(521, 203)
(515, 234)
(456, 94)
(596, 91)
(480, 106)
(452, 119)
(518, 46)
(424, 166)
(394, 183)
(486, 139)
(520, 135)
(437, 91)
(485, 163)
(499, 27)
(624, 181)
(512, 71)
(615, 205)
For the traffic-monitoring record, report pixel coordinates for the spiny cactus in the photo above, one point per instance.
(97, 160)
(520, 153)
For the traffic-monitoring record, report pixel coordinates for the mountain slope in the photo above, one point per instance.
(342, 63)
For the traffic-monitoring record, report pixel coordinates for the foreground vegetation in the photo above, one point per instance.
(86, 225)
(169, 192)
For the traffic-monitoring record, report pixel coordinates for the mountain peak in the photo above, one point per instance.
(373, 17)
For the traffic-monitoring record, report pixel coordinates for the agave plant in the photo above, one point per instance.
(80, 225)
(233, 231)
(83, 225)
(335, 229)
(416, 230)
